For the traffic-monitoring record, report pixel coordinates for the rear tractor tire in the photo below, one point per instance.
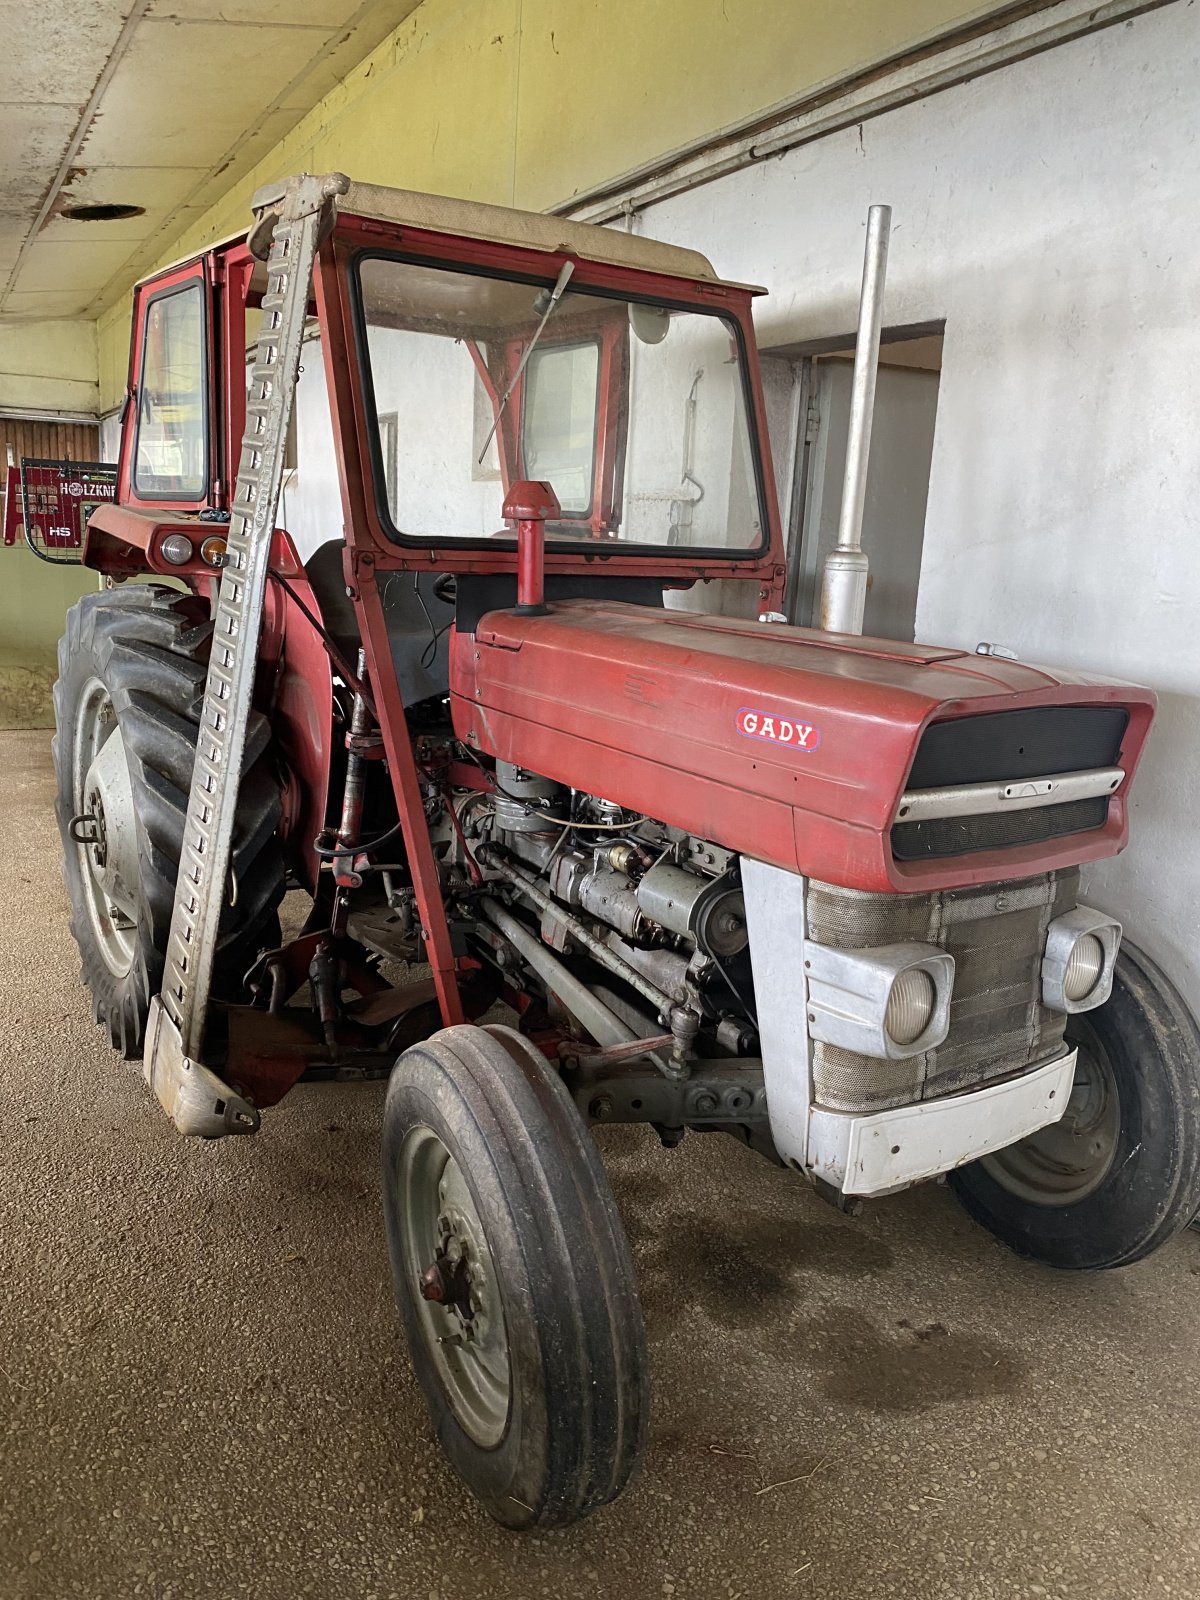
(1119, 1174)
(131, 672)
(513, 1277)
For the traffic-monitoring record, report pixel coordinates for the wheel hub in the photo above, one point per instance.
(113, 855)
(447, 1281)
(1065, 1162)
(95, 815)
(451, 1269)
(106, 829)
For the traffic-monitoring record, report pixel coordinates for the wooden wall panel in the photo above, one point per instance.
(55, 441)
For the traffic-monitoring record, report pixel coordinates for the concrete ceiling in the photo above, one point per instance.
(162, 104)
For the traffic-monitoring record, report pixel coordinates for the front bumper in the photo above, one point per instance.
(883, 1151)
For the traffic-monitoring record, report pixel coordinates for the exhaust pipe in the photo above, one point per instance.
(844, 587)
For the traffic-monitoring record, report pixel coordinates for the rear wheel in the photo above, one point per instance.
(513, 1277)
(131, 672)
(1119, 1175)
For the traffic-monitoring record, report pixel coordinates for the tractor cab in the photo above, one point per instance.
(464, 351)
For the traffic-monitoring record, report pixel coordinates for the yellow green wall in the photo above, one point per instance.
(526, 102)
(34, 599)
(48, 366)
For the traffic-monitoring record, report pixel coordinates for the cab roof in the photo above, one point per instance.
(533, 230)
(530, 230)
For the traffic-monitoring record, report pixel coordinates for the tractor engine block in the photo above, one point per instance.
(663, 902)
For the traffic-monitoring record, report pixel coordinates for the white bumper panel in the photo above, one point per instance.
(887, 1150)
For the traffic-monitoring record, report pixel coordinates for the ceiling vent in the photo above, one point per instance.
(102, 213)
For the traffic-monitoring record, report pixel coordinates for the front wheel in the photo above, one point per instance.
(1119, 1174)
(513, 1278)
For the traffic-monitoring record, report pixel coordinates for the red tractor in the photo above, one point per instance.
(812, 890)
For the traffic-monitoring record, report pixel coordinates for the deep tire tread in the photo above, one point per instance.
(1153, 1190)
(149, 646)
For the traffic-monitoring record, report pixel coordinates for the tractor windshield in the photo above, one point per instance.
(634, 411)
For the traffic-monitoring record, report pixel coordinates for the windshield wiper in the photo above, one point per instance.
(556, 294)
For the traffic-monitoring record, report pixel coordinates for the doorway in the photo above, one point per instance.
(906, 397)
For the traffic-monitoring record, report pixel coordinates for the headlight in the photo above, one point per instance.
(212, 550)
(1077, 967)
(176, 549)
(910, 1006)
(891, 1001)
(1084, 967)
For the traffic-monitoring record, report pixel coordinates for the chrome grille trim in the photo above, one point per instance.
(1021, 794)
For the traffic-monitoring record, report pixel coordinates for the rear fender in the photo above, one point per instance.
(295, 683)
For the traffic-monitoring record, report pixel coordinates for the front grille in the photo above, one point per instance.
(936, 837)
(1007, 747)
(998, 1024)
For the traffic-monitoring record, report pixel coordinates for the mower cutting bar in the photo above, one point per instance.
(204, 869)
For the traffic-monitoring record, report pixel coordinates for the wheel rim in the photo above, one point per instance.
(452, 1279)
(102, 791)
(1067, 1161)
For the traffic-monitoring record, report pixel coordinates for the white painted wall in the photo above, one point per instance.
(428, 384)
(311, 503)
(1050, 212)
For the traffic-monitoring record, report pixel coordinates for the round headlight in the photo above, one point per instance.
(176, 549)
(1084, 967)
(910, 1006)
(212, 550)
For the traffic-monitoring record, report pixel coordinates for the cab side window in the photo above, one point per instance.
(171, 452)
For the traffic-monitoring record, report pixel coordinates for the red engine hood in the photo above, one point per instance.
(786, 744)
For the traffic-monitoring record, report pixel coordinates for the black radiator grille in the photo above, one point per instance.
(997, 935)
(1007, 747)
(937, 837)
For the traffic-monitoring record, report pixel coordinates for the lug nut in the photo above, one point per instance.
(432, 1287)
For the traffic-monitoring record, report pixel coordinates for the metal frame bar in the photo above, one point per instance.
(1023, 794)
(362, 584)
(198, 1100)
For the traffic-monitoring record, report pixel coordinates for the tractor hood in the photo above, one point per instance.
(787, 744)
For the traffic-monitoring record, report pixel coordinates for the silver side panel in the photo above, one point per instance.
(776, 924)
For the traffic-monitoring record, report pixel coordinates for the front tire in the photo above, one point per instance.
(131, 673)
(513, 1278)
(1120, 1174)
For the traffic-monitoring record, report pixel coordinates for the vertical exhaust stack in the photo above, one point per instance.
(844, 587)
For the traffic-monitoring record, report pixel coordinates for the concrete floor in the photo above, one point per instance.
(205, 1393)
